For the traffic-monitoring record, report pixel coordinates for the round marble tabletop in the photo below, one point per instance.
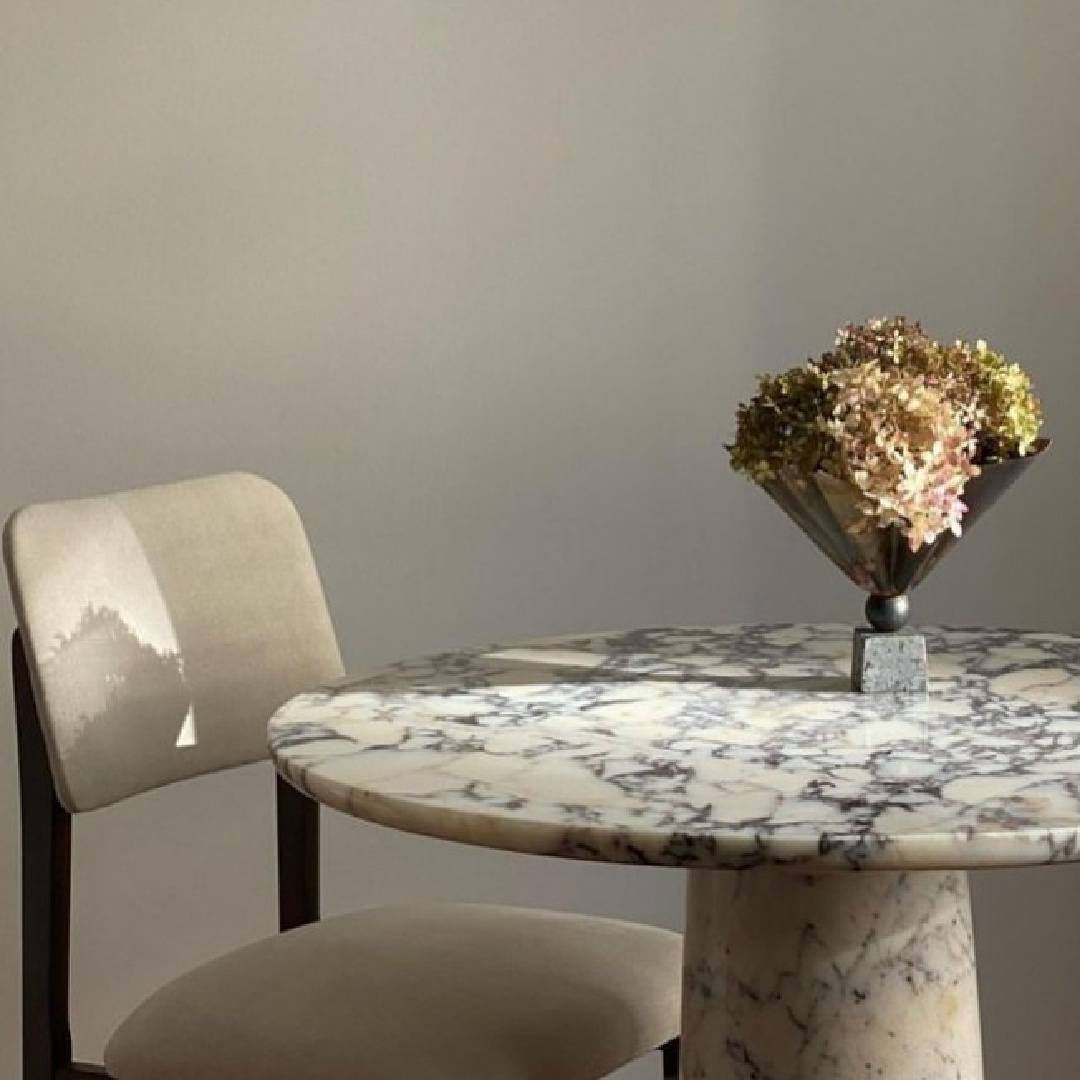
(730, 747)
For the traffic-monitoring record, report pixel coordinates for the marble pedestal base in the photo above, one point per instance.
(861, 975)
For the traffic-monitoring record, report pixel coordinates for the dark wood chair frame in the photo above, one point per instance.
(46, 893)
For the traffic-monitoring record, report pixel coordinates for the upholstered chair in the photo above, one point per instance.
(158, 630)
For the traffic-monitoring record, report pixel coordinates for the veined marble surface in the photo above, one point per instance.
(732, 747)
(830, 977)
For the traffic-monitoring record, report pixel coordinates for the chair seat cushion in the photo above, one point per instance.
(418, 992)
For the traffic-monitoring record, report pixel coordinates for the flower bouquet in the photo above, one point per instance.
(887, 448)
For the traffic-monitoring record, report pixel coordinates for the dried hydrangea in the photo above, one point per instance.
(994, 393)
(904, 447)
(780, 429)
(1010, 416)
(903, 418)
(897, 342)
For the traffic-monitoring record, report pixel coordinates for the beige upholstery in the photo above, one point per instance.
(415, 993)
(163, 627)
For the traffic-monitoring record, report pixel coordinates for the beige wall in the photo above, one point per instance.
(480, 282)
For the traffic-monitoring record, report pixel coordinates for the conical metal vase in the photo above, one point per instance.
(879, 560)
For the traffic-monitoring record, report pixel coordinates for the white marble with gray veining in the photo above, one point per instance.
(743, 748)
(732, 747)
(834, 976)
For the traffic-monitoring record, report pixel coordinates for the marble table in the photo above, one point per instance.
(826, 833)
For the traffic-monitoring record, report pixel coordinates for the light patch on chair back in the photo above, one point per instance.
(83, 578)
(120, 650)
(189, 735)
(106, 652)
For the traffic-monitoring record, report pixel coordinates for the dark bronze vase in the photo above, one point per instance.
(879, 560)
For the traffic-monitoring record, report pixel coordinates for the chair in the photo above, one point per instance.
(158, 631)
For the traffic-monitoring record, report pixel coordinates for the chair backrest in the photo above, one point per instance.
(162, 628)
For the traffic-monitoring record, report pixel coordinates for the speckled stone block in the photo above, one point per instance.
(888, 662)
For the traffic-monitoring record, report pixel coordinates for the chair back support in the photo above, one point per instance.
(162, 627)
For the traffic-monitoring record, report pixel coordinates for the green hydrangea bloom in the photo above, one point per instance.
(1011, 417)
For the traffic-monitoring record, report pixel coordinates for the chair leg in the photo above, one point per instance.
(669, 1056)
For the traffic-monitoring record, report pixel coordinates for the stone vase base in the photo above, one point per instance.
(888, 662)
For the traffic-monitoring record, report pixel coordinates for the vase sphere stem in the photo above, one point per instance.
(887, 614)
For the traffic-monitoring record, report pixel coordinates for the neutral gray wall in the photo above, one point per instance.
(480, 282)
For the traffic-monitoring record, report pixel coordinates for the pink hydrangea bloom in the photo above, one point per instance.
(904, 446)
